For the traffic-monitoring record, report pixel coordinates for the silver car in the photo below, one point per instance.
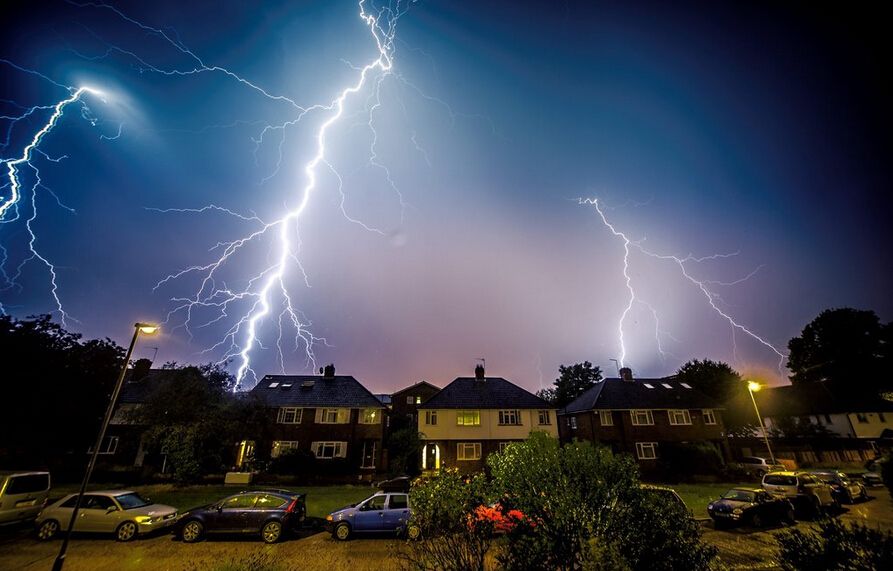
(22, 495)
(122, 512)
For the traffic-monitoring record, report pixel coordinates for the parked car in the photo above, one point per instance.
(122, 512)
(379, 513)
(845, 490)
(399, 484)
(22, 495)
(758, 466)
(808, 494)
(752, 506)
(872, 476)
(268, 513)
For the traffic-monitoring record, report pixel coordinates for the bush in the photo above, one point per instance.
(835, 545)
(678, 462)
(294, 462)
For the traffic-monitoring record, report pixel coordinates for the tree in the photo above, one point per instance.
(403, 447)
(722, 383)
(843, 346)
(573, 381)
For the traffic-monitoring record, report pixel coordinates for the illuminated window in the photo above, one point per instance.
(370, 416)
(332, 415)
(709, 417)
(605, 418)
(282, 446)
(418, 400)
(646, 450)
(679, 417)
(511, 417)
(468, 451)
(642, 417)
(290, 415)
(468, 418)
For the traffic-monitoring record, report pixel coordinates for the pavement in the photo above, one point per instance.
(740, 548)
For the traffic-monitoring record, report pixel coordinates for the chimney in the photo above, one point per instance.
(140, 371)
(479, 372)
(626, 374)
(328, 371)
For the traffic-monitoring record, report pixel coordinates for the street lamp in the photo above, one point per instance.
(753, 387)
(145, 329)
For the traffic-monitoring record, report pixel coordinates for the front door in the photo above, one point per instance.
(431, 457)
(370, 516)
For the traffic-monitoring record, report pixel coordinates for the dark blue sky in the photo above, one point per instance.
(759, 129)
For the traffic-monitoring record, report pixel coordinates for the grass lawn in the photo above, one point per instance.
(697, 496)
(321, 500)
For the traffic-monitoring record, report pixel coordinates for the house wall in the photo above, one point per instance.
(874, 425)
(401, 408)
(447, 427)
(839, 423)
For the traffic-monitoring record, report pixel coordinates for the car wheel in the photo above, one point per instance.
(271, 532)
(192, 531)
(756, 521)
(413, 532)
(48, 530)
(126, 531)
(342, 531)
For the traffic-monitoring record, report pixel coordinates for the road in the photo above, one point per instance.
(739, 548)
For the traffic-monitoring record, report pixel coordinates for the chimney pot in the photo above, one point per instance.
(479, 372)
(329, 371)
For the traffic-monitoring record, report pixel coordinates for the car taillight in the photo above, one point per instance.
(291, 507)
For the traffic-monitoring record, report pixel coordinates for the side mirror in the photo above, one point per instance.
(111, 509)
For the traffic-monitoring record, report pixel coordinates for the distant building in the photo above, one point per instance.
(473, 417)
(123, 444)
(405, 402)
(637, 416)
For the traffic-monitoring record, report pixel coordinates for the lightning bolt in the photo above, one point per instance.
(681, 263)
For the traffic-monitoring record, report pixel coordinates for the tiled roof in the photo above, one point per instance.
(314, 391)
(136, 392)
(419, 384)
(616, 394)
(490, 392)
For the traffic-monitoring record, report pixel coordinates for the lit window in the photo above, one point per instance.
(679, 417)
(329, 450)
(709, 417)
(648, 385)
(274, 385)
(370, 416)
(605, 418)
(642, 417)
(418, 400)
(545, 418)
(332, 415)
(282, 446)
(468, 418)
(290, 415)
(512, 417)
(666, 386)
(686, 385)
(572, 422)
(646, 450)
(468, 451)
(431, 417)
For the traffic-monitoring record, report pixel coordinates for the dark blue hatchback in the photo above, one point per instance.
(269, 513)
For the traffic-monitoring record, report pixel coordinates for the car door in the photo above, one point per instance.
(370, 515)
(397, 512)
(234, 512)
(97, 514)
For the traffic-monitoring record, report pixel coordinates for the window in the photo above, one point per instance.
(98, 503)
(274, 385)
(572, 422)
(290, 415)
(648, 385)
(512, 417)
(282, 446)
(329, 450)
(240, 502)
(468, 451)
(332, 415)
(646, 450)
(374, 504)
(109, 446)
(861, 417)
(678, 417)
(605, 418)
(27, 484)
(666, 385)
(431, 417)
(268, 502)
(642, 417)
(545, 418)
(503, 446)
(686, 385)
(709, 417)
(468, 418)
(418, 400)
(370, 454)
(370, 416)
(398, 502)
(410, 400)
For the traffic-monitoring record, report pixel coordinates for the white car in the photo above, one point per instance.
(22, 495)
(122, 512)
(758, 466)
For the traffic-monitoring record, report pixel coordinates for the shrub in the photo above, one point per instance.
(293, 462)
(678, 462)
(834, 545)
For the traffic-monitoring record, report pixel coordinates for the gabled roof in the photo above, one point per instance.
(136, 392)
(314, 391)
(816, 398)
(490, 392)
(616, 394)
(419, 384)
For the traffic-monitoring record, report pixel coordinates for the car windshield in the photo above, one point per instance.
(739, 495)
(132, 500)
(780, 480)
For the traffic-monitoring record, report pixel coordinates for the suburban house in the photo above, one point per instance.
(123, 443)
(636, 416)
(331, 416)
(473, 417)
(405, 402)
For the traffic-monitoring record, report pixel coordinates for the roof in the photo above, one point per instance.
(816, 398)
(489, 392)
(416, 385)
(137, 392)
(616, 394)
(314, 391)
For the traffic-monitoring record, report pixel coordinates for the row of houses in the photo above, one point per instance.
(336, 418)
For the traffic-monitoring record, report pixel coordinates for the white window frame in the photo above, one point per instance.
(545, 414)
(504, 445)
(468, 418)
(649, 417)
(709, 416)
(605, 418)
(410, 399)
(374, 454)
(431, 417)
(642, 447)
(370, 416)
(320, 449)
(281, 446)
(674, 415)
(572, 422)
(510, 417)
(341, 415)
(462, 451)
(109, 446)
(285, 410)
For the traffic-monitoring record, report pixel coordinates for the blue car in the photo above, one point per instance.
(380, 513)
(268, 513)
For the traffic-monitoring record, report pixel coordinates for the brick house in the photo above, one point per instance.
(331, 416)
(637, 415)
(473, 417)
(405, 402)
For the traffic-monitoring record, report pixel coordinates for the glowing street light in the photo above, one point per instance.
(146, 329)
(753, 387)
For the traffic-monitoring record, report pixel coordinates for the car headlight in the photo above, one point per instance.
(144, 519)
(737, 511)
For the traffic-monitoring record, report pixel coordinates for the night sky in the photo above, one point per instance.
(762, 130)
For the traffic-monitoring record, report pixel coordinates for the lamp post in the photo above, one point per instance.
(138, 328)
(753, 387)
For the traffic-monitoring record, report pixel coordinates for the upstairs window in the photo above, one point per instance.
(679, 417)
(370, 416)
(709, 417)
(605, 418)
(642, 417)
(290, 415)
(410, 400)
(544, 418)
(332, 415)
(468, 418)
(431, 417)
(572, 422)
(510, 417)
